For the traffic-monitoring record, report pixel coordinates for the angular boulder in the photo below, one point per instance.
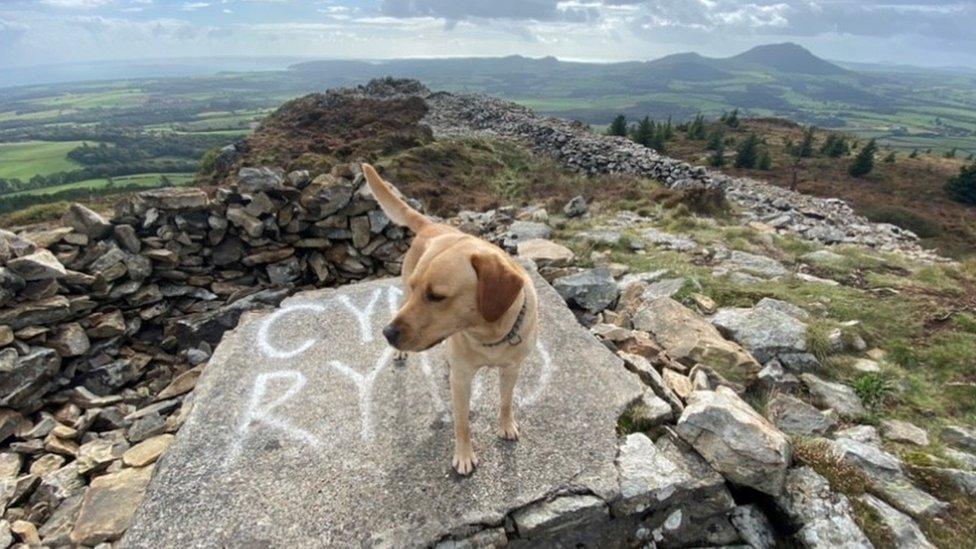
(836, 396)
(736, 440)
(690, 339)
(40, 265)
(795, 417)
(592, 290)
(765, 330)
(823, 519)
(301, 416)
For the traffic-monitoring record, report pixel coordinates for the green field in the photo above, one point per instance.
(23, 160)
(142, 180)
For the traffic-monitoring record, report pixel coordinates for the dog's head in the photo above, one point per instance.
(454, 287)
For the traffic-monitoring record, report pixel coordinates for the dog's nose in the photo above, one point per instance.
(393, 334)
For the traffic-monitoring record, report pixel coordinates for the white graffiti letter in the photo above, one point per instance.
(258, 412)
(363, 316)
(364, 384)
(263, 341)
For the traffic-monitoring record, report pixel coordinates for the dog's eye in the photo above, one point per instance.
(432, 297)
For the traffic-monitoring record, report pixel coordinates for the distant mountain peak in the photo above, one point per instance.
(788, 57)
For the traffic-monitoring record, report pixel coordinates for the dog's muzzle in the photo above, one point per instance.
(393, 334)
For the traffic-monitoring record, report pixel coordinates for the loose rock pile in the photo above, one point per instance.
(106, 324)
(825, 220)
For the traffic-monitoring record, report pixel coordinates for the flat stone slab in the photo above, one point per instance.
(305, 433)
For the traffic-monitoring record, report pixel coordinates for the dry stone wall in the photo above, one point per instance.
(830, 221)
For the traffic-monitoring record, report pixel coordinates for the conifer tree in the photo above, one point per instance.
(864, 161)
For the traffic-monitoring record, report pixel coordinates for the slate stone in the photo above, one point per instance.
(736, 440)
(299, 472)
(521, 231)
(87, 221)
(836, 396)
(822, 518)
(902, 529)
(795, 417)
(40, 265)
(766, 331)
(592, 290)
(251, 180)
(691, 339)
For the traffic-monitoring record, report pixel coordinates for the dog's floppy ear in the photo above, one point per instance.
(498, 285)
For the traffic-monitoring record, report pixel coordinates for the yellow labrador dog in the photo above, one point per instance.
(470, 293)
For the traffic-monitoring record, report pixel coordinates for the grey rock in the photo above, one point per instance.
(650, 411)
(174, 198)
(905, 533)
(764, 331)
(667, 240)
(822, 257)
(521, 231)
(647, 277)
(648, 478)
(690, 339)
(960, 437)
(663, 288)
(31, 376)
(40, 265)
(218, 478)
(109, 504)
(754, 527)
(965, 459)
(795, 417)
(965, 481)
(593, 290)
(126, 235)
(576, 207)
(605, 237)
(252, 180)
(753, 264)
(87, 221)
(908, 498)
(823, 518)
(735, 440)
(69, 340)
(560, 516)
(836, 396)
(56, 531)
(107, 378)
(872, 460)
(903, 431)
(146, 427)
(861, 433)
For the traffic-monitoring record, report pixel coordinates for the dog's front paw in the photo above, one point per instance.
(509, 430)
(464, 461)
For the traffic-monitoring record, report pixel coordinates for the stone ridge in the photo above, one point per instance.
(830, 221)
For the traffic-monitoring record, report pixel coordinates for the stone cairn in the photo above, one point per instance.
(106, 324)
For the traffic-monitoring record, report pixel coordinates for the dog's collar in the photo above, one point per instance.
(513, 337)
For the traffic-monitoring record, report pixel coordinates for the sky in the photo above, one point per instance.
(917, 32)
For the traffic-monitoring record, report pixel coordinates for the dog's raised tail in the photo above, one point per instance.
(393, 206)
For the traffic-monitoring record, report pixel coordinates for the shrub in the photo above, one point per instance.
(747, 153)
(835, 146)
(962, 187)
(618, 126)
(765, 161)
(864, 161)
(874, 390)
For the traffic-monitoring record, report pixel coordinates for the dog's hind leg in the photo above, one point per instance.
(508, 427)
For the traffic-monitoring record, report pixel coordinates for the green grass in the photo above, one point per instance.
(141, 180)
(23, 160)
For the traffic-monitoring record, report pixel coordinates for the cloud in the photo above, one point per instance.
(191, 6)
(76, 4)
(457, 10)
